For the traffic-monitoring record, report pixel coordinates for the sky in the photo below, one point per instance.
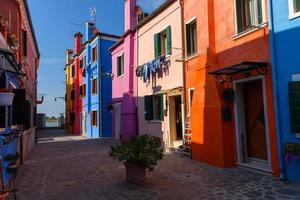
(55, 23)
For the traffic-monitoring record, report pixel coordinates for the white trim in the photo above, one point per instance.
(292, 13)
(191, 20)
(237, 113)
(120, 55)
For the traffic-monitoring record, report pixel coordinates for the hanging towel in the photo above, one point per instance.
(152, 67)
(146, 73)
(157, 64)
(162, 60)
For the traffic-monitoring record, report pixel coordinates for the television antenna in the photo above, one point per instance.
(93, 12)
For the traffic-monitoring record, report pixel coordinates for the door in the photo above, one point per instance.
(252, 134)
(117, 116)
(83, 124)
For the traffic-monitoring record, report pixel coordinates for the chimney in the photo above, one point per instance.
(69, 53)
(78, 42)
(130, 17)
(89, 27)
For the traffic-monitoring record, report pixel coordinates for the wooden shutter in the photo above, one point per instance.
(294, 99)
(169, 40)
(239, 16)
(157, 48)
(19, 107)
(161, 107)
(148, 108)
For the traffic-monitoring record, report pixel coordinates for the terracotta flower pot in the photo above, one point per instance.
(135, 174)
(6, 98)
(4, 196)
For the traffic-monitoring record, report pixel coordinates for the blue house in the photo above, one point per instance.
(284, 23)
(96, 91)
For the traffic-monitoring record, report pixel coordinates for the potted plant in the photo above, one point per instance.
(6, 97)
(291, 150)
(139, 154)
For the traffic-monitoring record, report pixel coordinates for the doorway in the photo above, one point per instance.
(252, 133)
(176, 121)
(117, 117)
(83, 124)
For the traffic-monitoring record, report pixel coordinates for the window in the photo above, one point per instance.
(83, 62)
(94, 53)
(94, 118)
(191, 96)
(120, 61)
(73, 70)
(191, 38)
(24, 43)
(163, 43)
(154, 107)
(249, 14)
(294, 8)
(94, 86)
(82, 91)
(294, 104)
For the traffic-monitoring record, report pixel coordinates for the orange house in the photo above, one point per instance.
(228, 83)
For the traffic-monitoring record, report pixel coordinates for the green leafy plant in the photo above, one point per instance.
(144, 150)
(291, 150)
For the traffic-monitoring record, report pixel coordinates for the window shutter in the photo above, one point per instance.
(148, 108)
(294, 99)
(157, 50)
(169, 40)
(161, 107)
(19, 106)
(239, 15)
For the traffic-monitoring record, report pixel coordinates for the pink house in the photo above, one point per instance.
(124, 81)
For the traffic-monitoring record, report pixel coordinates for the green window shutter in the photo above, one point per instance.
(294, 100)
(148, 108)
(157, 50)
(239, 15)
(169, 40)
(161, 106)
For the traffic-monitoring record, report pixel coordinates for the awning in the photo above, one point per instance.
(170, 92)
(239, 68)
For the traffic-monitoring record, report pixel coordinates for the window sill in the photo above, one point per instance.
(294, 15)
(249, 31)
(155, 121)
(121, 76)
(188, 58)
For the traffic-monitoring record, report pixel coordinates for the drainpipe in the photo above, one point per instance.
(183, 64)
(275, 93)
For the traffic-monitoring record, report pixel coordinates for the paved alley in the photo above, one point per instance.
(63, 167)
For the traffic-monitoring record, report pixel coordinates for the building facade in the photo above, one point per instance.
(284, 37)
(160, 74)
(124, 81)
(69, 88)
(228, 84)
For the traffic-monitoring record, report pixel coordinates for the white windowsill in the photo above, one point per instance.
(192, 56)
(249, 31)
(121, 76)
(294, 15)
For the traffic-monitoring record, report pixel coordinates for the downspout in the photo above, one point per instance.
(275, 93)
(183, 64)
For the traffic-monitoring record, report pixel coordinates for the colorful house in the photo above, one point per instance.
(96, 87)
(228, 84)
(69, 88)
(284, 26)
(160, 74)
(19, 61)
(124, 81)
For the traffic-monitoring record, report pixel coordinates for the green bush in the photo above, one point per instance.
(144, 150)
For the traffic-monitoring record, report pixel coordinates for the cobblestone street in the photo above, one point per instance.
(71, 168)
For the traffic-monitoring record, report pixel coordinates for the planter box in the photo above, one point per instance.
(6, 99)
(135, 174)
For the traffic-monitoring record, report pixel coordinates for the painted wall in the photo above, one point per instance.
(219, 46)
(287, 61)
(69, 88)
(124, 87)
(171, 16)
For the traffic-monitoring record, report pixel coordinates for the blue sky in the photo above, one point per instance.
(55, 23)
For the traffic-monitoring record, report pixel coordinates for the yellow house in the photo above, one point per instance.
(69, 88)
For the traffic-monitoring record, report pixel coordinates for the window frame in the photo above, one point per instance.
(163, 35)
(95, 87)
(94, 118)
(256, 26)
(189, 23)
(24, 43)
(94, 54)
(292, 13)
(119, 57)
(83, 91)
(156, 108)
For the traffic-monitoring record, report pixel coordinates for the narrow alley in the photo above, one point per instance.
(70, 167)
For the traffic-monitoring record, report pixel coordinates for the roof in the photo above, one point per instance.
(120, 41)
(31, 27)
(156, 12)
